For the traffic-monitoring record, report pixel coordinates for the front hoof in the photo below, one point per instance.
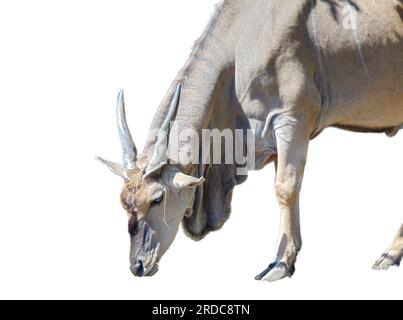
(275, 272)
(385, 262)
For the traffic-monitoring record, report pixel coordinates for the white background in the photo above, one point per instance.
(63, 233)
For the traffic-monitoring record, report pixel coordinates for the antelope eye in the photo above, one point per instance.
(157, 200)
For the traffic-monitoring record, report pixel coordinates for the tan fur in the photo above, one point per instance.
(287, 69)
(136, 194)
(297, 69)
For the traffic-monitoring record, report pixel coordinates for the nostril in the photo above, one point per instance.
(138, 269)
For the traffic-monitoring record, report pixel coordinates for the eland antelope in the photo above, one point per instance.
(284, 70)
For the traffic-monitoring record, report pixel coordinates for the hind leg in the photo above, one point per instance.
(392, 256)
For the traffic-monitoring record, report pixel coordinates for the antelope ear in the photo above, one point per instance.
(116, 168)
(182, 181)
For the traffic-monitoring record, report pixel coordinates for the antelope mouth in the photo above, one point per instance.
(140, 271)
(148, 266)
(153, 271)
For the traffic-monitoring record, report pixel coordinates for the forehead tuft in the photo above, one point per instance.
(130, 189)
(135, 180)
(138, 193)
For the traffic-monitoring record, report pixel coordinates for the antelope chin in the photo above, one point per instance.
(153, 271)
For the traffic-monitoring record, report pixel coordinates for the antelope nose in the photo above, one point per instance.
(137, 269)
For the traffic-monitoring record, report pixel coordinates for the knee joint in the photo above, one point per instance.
(286, 196)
